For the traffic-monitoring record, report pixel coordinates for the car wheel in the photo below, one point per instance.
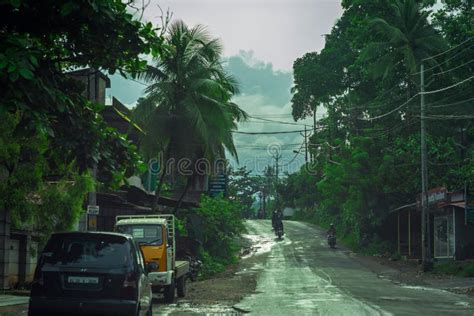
(169, 293)
(181, 286)
(32, 312)
(150, 309)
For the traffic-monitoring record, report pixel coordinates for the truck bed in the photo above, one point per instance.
(181, 268)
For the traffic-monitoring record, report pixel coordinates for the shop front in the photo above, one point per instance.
(451, 230)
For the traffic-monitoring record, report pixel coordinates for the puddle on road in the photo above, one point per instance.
(260, 244)
(196, 309)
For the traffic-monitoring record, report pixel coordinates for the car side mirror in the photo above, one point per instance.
(151, 266)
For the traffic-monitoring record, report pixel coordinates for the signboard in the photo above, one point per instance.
(92, 222)
(434, 196)
(218, 185)
(93, 209)
(469, 200)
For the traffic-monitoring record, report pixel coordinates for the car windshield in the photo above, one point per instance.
(143, 234)
(87, 251)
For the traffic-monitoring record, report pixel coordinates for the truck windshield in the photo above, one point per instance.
(143, 234)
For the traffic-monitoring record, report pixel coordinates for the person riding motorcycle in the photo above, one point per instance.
(331, 236)
(277, 220)
(332, 230)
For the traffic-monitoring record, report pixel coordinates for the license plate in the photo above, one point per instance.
(82, 280)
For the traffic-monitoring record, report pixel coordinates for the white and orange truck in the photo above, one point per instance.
(157, 239)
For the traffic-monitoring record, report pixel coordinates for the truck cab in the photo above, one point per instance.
(156, 236)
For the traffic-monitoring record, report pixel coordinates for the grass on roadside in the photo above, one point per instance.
(459, 269)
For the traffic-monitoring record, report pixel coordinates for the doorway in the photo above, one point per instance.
(444, 240)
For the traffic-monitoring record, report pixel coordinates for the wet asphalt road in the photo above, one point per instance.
(303, 276)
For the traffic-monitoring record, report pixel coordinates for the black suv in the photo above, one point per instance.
(93, 273)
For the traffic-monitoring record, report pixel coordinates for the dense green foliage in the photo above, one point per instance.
(51, 134)
(367, 149)
(459, 269)
(221, 224)
(242, 188)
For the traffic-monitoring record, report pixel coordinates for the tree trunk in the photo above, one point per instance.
(159, 186)
(186, 188)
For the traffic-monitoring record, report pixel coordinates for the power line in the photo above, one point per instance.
(261, 149)
(266, 146)
(419, 93)
(296, 155)
(448, 50)
(276, 121)
(450, 104)
(378, 97)
(448, 117)
(267, 133)
(449, 70)
(390, 112)
(446, 88)
(444, 62)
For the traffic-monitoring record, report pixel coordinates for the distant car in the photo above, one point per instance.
(91, 273)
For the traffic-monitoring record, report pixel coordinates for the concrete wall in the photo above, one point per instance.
(18, 255)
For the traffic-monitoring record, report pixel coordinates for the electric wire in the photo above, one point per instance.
(442, 63)
(390, 112)
(446, 88)
(448, 50)
(267, 133)
(449, 70)
(276, 121)
(449, 104)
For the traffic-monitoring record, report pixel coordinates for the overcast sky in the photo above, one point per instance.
(277, 31)
(261, 39)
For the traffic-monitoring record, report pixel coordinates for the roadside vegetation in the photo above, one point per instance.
(222, 223)
(363, 87)
(459, 269)
(51, 136)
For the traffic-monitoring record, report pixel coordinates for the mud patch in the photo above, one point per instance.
(219, 294)
(184, 308)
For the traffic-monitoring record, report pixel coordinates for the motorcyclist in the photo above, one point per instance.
(274, 217)
(277, 219)
(331, 230)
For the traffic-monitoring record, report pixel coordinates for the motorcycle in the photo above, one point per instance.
(332, 241)
(279, 231)
(194, 266)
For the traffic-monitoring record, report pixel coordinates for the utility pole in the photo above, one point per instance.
(305, 135)
(277, 157)
(425, 216)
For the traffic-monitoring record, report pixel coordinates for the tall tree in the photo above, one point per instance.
(54, 133)
(406, 37)
(193, 116)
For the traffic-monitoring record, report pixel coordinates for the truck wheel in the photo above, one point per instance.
(150, 310)
(181, 287)
(169, 293)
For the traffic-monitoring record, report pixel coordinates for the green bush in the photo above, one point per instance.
(222, 222)
(460, 269)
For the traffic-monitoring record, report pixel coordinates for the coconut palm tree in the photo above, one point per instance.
(193, 116)
(404, 39)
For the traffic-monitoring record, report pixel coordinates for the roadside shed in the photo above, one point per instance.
(452, 234)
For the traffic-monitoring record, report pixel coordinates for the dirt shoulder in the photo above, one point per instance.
(229, 287)
(410, 273)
